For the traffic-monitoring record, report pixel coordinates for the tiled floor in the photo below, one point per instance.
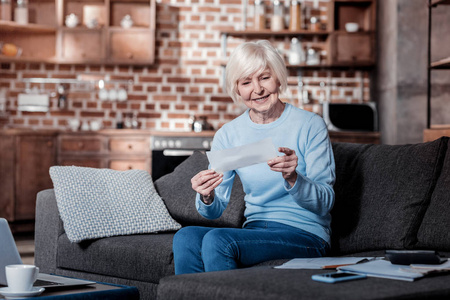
(25, 244)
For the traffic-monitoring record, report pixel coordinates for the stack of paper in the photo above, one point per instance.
(384, 269)
(427, 269)
(322, 262)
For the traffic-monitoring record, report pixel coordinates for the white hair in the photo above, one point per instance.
(249, 58)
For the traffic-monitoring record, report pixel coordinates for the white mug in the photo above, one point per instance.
(20, 278)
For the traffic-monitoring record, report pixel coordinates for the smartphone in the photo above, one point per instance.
(337, 277)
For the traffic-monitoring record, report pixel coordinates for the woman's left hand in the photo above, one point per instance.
(285, 164)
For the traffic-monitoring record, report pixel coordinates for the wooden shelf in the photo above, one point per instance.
(356, 65)
(435, 132)
(13, 27)
(108, 44)
(441, 64)
(259, 33)
(24, 59)
(440, 2)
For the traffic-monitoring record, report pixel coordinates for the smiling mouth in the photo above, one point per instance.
(262, 98)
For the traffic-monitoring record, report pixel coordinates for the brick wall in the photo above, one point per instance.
(186, 78)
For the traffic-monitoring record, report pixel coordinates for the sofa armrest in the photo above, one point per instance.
(48, 228)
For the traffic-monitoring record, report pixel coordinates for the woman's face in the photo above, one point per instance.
(259, 91)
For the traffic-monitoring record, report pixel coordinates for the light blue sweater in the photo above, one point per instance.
(269, 197)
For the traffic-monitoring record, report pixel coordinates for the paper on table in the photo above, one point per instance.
(321, 262)
(242, 156)
(383, 269)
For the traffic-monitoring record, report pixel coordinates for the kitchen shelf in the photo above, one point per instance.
(440, 2)
(268, 32)
(441, 64)
(108, 44)
(13, 27)
(433, 131)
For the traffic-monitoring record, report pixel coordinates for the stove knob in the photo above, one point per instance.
(157, 144)
(178, 143)
(164, 143)
(171, 144)
(205, 144)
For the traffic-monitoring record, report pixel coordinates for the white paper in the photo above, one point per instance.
(242, 156)
(383, 269)
(321, 262)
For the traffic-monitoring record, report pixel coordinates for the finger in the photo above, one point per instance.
(208, 187)
(286, 150)
(204, 176)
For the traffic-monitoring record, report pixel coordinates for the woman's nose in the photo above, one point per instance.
(257, 88)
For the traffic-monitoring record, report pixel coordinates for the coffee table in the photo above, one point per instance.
(91, 292)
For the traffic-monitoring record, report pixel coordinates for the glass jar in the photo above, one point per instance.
(313, 57)
(6, 10)
(277, 22)
(21, 12)
(296, 53)
(260, 15)
(314, 24)
(295, 13)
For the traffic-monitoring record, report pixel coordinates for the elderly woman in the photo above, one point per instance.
(288, 199)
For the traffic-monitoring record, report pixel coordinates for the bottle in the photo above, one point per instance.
(295, 12)
(260, 15)
(134, 121)
(277, 22)
(314, 24)
(296, 53)
(119, 121)
(21, 12)
(6, 10)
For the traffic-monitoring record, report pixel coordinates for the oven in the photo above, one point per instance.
(169, 151)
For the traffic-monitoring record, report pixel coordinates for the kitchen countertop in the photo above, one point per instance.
(25, 131)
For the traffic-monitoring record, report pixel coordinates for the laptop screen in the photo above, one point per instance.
(9, 255)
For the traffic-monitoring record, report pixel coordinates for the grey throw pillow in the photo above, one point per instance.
(176, 191)
(434, 230)
(382, 193)
(96, 203)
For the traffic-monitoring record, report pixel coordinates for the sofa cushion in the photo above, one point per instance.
(144, 257)
(95, 203)
(382, 193)
(434, 232)
(176, 191)
(289, 284)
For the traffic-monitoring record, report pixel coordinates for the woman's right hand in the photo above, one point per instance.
(205, 182)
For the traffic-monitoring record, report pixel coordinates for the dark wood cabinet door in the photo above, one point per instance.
(6, 177)
(34, 156)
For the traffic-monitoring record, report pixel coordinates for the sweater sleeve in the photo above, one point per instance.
(314, 190)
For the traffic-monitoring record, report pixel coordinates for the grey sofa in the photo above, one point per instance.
(387, 197)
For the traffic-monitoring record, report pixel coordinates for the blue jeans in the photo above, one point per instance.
(205, 249)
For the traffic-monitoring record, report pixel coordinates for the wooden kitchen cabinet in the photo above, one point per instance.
(107, 43)
(115, 149)
(24, 167)
(344, 49)
(352, 48)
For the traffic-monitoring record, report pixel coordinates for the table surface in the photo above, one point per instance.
(58, 291)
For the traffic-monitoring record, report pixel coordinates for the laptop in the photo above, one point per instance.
(9, 255)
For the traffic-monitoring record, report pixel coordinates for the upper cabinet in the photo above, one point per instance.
(85, 31)
(352, 40)
(347, 38)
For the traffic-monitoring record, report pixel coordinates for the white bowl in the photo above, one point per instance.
(351, 27)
